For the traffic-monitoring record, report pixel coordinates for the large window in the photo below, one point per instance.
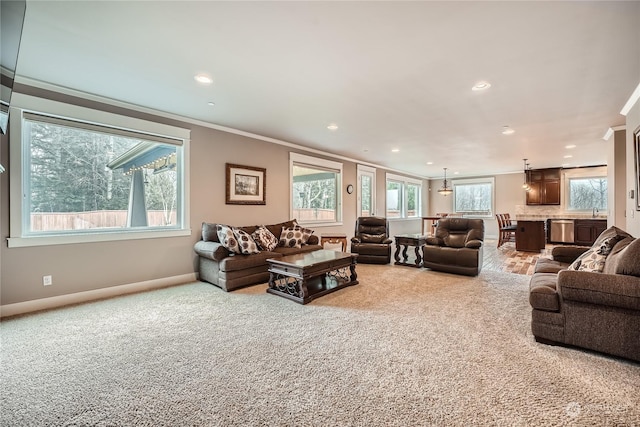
(587, 193)
(404, 197)
(473, 197)
(315, 190)
(82, 178)
(585, 189)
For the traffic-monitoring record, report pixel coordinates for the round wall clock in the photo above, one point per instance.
(349, 188)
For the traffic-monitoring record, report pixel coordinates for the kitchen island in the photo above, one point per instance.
(530, 235)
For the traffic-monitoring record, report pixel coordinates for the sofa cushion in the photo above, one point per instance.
(372, 238)
(276, 229)
(542, 292)
(547, 265)
(611, 264)
(264, 238)
(210, 232)
(628, 262)
(455, 240)
(246, 244)
(243, 262)
(594, 259)
(612, 231)
(228, 239)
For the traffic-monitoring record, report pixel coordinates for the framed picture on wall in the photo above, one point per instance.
(246, 185)
(636, 149)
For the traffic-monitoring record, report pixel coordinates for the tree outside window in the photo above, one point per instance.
(588, 193)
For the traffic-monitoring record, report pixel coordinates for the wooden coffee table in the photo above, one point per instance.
(307, 276)
(406, 240)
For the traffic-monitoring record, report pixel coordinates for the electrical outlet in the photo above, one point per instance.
(47, 280)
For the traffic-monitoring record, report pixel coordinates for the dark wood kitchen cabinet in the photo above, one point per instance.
(586, 231)
(544, 187)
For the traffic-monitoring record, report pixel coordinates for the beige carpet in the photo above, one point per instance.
(405, 347)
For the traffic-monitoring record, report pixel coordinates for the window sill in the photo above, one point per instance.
(51, 240)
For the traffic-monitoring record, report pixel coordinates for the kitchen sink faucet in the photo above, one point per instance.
(595, 212)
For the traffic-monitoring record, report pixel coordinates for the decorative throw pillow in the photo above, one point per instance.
(306, 233)
(594, 259)
(246, 244)
(228, 239)
(264, 238)
(294, 237)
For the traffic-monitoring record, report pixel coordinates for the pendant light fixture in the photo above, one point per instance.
(445, 191)
(525, 185)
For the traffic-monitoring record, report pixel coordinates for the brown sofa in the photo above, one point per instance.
(597, 311)
(456, 246)
(230, 271)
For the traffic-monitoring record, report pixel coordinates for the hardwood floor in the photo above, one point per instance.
(507, 259)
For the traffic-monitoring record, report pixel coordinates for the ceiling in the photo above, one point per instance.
(390, 75)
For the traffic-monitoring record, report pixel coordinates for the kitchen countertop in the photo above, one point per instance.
(541, 217)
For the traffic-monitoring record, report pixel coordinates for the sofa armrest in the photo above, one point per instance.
(473, 244)
(211, 250)
(387, 241)
(567, 254)
(616, 290)
(434, 241)
(355, 240)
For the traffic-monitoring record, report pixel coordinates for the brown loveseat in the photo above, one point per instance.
(456, 247)
(229, 271)
(595, 310)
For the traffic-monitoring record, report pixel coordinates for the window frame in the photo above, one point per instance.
(598, 172)
(362, 171)
(26, 104)
(404, 182)
(475, 181)
(316, 162)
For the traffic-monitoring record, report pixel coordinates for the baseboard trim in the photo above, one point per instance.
(96, 294)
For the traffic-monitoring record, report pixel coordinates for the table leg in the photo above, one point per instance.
(397, 254)
(354, 276)
(404, 253)
(418, 257)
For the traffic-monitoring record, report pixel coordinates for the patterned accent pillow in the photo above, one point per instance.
(227, 238)
(294, 237)
(265, 239)
(594, 259)
(245, 242)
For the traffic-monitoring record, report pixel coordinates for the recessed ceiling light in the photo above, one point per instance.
(481, 86)
(203, 78)
(395, 150)
(570, 146)
(429, 163)
(456, 173)
(332, 126)
(211, 103)
(568, 156)
(506, 130)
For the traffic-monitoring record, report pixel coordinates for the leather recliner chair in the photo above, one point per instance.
(371, 241)
(456, 246)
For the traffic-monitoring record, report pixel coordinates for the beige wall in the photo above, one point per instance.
(617, 179)
(90, 266)
(633, 216)
(508, 194)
